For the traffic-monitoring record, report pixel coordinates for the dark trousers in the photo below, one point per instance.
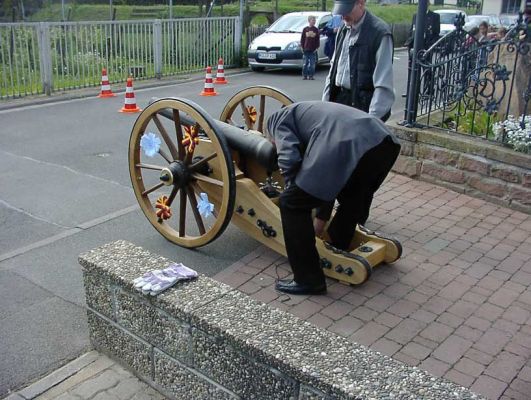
(344, 96)
(354, 204)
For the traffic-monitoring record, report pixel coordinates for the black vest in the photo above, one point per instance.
(362, 58)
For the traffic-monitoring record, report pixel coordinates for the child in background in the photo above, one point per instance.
(309, 43)
(502, 32)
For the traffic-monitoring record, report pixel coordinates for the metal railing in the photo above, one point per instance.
(470, 86)
(252, 32)
(38, 58)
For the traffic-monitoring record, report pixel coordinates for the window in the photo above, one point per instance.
(511, 6)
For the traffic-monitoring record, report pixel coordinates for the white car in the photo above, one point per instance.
(448, 20)
(493, 21)
(279, 45)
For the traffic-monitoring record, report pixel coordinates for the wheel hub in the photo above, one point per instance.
(176, 173)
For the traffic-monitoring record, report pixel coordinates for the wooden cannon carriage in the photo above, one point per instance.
(178, 153)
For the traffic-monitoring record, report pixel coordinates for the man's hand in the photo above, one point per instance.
(318, 226)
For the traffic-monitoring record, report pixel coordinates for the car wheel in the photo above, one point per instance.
(257, 69)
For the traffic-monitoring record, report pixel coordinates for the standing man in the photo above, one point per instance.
(361, 71)
(309, 43)
(330, 30)
(326, 151)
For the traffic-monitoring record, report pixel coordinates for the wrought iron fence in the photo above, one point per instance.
(469, 85)
(43, 57)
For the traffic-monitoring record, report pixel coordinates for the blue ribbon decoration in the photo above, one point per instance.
(204, 206)
(150, 143)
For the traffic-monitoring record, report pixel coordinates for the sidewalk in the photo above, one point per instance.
(91, 376)
(458, 303)
(118, 88)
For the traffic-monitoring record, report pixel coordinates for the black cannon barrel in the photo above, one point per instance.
(247, 143)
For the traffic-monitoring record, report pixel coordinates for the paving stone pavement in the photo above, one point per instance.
(457, 304)
(97, 378)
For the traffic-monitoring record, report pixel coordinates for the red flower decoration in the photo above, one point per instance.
(190, 138)
(251, 110)
(163, 209)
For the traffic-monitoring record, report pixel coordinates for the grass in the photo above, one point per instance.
(392, 14)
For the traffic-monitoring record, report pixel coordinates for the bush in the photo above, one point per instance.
(516, 136)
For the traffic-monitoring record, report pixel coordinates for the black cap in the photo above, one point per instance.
(343, 7)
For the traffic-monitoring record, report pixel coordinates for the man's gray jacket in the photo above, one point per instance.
(319, 144)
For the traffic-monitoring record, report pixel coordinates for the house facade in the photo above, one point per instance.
(498, 7)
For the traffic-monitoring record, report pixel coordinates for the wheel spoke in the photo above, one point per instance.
(165, 156)
(179, 133)
(246, 115)
(203, 161)
(182, 213)
(262, 114)
(152, 189)
(197, 216)
(206, 179)
(166, 137)
(149, 166)
(172, 195)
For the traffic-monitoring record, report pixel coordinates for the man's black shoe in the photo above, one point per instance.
(292, 287)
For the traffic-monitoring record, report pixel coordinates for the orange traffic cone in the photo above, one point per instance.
(208, 90)
(105, 87)
(220, 73)
(130, 101)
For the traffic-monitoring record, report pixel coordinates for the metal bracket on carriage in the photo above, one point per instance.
(204, 169)
(267, 230)
(270, 188)
(335, 250)
(339, 268)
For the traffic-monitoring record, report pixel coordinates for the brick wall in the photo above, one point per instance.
(467, 165)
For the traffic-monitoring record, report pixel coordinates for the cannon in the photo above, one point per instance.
(180, 157)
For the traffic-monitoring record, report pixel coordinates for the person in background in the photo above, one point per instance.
(502, 32)
(309, 44)
(361, 71)
(484, 34)
(431, 35)
(326, 151)
(330, 30)
(472, 37)
(484, 38)
(432, 31)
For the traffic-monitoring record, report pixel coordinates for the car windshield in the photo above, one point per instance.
(289, 23)
(448, 18)
(508, 20)
(476, 19)
(494, 20)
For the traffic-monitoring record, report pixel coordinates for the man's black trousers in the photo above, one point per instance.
(354, 204)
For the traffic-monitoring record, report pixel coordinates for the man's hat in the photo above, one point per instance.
(343, 7)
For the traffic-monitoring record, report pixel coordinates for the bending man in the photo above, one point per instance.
(326, 151)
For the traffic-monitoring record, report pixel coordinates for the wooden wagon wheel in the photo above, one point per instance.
(173, 162)
(248, 108)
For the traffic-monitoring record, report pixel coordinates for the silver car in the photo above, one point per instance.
(280, 44)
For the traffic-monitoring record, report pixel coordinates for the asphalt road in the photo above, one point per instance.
(65, 189)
